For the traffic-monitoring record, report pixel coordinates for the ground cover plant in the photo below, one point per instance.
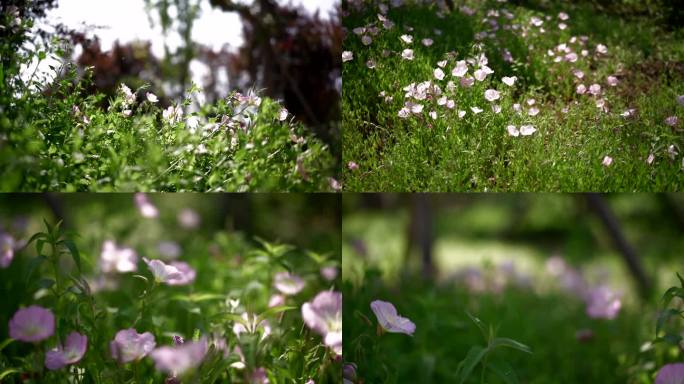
(524, 289)
(155, 289)
(57, 134)
(513, 96)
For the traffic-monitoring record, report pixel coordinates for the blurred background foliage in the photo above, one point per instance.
(492, 255)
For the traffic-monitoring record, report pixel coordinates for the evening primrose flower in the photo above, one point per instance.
(439, 74)
(6, 250)
(173, 114)
(324, 315)
(70, 353)
(427, 42)
(116, 259)
(491, 95)
(595, 89)
(251, 326)
(408, 39)
(188, 218)
(612, 81)
(603, 303)
(145, 207)
(460, 69)
(671, 374)
(163, 273)
(671, 121)
(129, 345)
(151, 97)
(407, 54)
(509, 80)
(602, 49)
(288, 283)
(187, 274)
(366, 40)
(607, 161)
(389, 320)
(32, 324)
(347, 56)
(180, 358)
(282, 114)
(467, 82)
(581, 89)
(525, 130)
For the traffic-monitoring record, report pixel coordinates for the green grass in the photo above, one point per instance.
(475, 153)
(525, 230)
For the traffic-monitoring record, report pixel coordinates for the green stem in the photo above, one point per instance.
(484, 368)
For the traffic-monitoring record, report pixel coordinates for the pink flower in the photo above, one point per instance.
(408, 39)
(534, 111)
(188, 218)
(347, 56)
(145, 208)
(6, 250)
(439, 74)
(70, 353)
(603, 303)
(612, 81)
(671, 121)
(151, 97)
(129, 345)
(163, 273)
(187, 274)
(467, 82)
(366, 40)
(671, 374)
(460, 69)
(650, 159)
(324, 315)
(581, 89)
(32, 324)
(282, 114)
(509, 80)
(352, 166)
(178, 359)
(259, 376)
(595, 89)
(527, 130)
(115, 259)
(602, 49)
(607, 161)
(389, 319)
(427, 42)
(276, 301)
(329, 273)
(287, 283)
(491, 95)
(407, 54)
(173, 114)
(334, 184)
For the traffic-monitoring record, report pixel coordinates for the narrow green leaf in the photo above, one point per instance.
(480, 324)
(273, 311)
(74, 253)
(506, 342)
(504, 371)
(663, 317)
(198, 297)
(5, 343)
(475, 354)
(39, 235)
(8, 372)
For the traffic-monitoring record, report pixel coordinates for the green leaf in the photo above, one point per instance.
(273, 311)
(671, 293)
(46, 283)
(33, 264)
(74, 253)
(480, 324)
(672, 338)
(198, 297)
(8, 372)
(475, 354)
(231, 317)
(506, 342)
(143, 278)
(504, 371)
(39, 235)
(5, 343)
(663, 317)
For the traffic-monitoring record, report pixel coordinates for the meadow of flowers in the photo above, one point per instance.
(150, 289)
(509, 305)
(511, 96)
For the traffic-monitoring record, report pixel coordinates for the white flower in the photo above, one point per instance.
(151, 97)
(475, 110)
(407, 54)
(491, 95)
(595, 89)
(467, 82)
(607, 161)
(602, 49)
(347, 56)
(433, 115)
(443, 63)
(192, 123)
(113, 258)
(480, 74)
(366, 40)
(404, 113)
(427, 42)
(450, 104)
(534, 111)
(408, 39)
(173, 114)
(581, 89)
(509, 80)
(461, 113)
(439, 74)
(163, 273)
(612, 81)
(527, 130)
(460, 69)
(282, 115)
(513, 130)
(650, 159)
(496, 108)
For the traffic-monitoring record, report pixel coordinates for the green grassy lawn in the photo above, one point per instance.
(616, 139)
